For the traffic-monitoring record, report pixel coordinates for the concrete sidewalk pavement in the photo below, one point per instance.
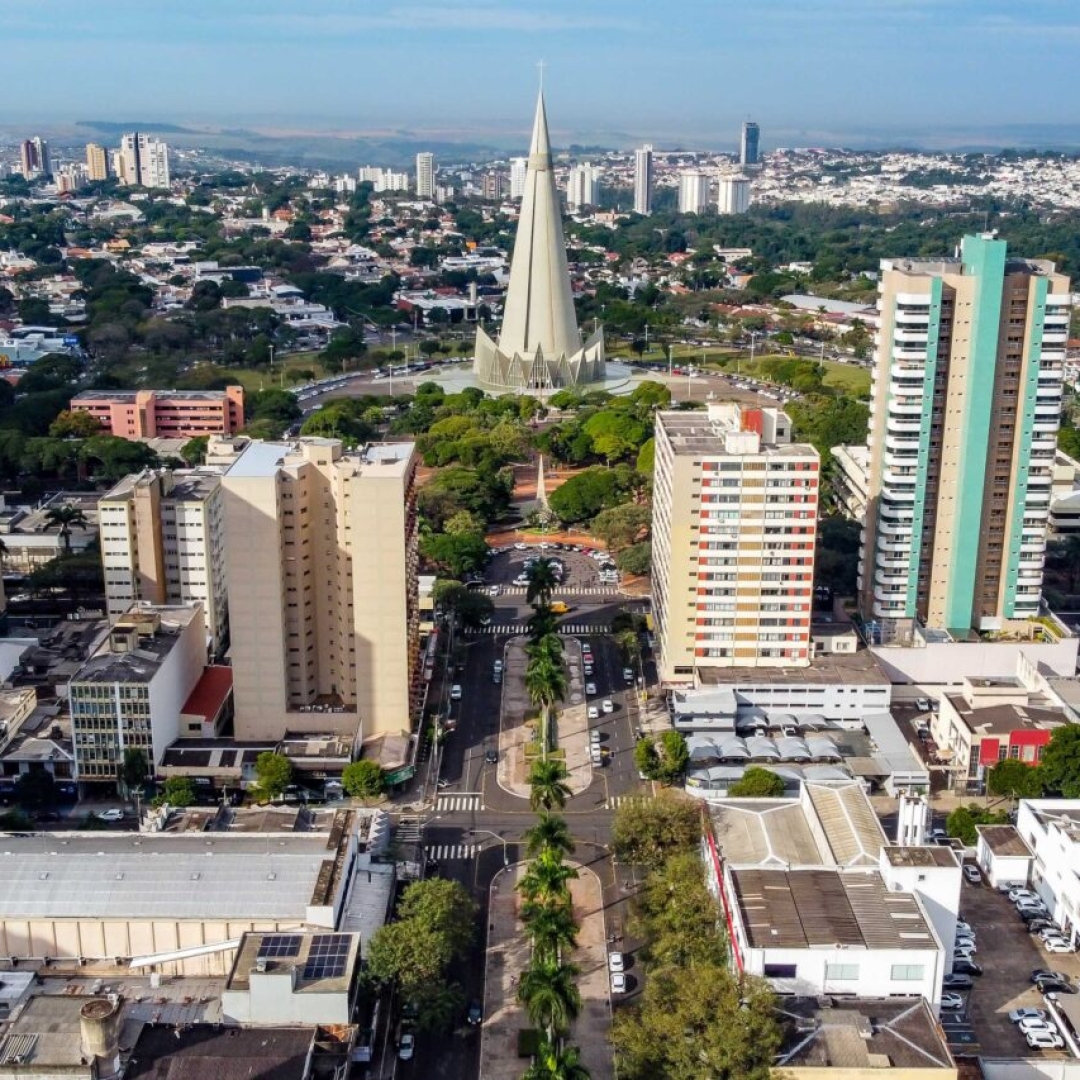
(508, 954)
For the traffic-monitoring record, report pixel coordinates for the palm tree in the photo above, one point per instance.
(545, 683)
(545, 881)
(553, 1063)
(550, 995)
(550, 833)
(547, 780)
(542, 582)
(541, 622)
(551, 928)
(64, 518)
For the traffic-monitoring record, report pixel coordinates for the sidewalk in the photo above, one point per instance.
(508, 954)
(570, 724)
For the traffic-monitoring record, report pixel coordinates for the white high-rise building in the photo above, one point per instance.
(425, 176)
(643, 180)
(321, 555)
(693, 192)
(519, 168)
(734, 519)
(733, 196)
(163, 542)
(583, 186)
(143, 161)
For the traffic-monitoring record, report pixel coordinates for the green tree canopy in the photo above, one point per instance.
(178, 791)
(362, 779)
(1060, 767)
(757, 783)
(1015, 780)
(273, 774)
(962, 821)
(636, 559)
(646, 833)
(622, 525)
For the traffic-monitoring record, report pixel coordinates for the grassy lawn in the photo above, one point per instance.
(282, 375)
(847, 378)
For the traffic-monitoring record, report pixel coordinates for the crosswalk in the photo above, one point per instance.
(442, 852)
(521, 628)
(407, 831)
(449, 804)
(615, 801)
(570, 590)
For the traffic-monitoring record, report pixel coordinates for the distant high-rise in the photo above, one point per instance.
(97, 162)
(583, 186)
(493, 185)
(34, 159)
(321, 561)
(643, 180)
(733, 195)
(966, 407)
(693, 192)
(539, 345)
(519, 167)
(748, 146)
(425, 176)
(143, 161)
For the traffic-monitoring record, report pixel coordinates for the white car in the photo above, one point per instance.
(406, 1046)
(608, 705)
(1058, 945)
(1037, 1024)
(498, 665)
(1026, 1014)
(971, 873)
(964, 928)
(1044, 1040)
(594, 713)
(950, 1001)
(615, 962)
(967, 945)
(1022, 894)
(521, 547)
(113, 814)
(618, 982)
(590, 689)
(455, 692)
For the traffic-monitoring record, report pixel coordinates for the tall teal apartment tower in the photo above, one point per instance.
(966, 407)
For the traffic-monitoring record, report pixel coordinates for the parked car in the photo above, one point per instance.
(1038, 923)
(628, 675)
(966, 967)
(594, 713)
(498, 665)
(1059, 945)
(608, 705)
(1048, 973)
(1018, 892)
(964, 927)
(922, 704)
(1044, 1040)
(616, 962)
(1028, 1026)
(113, 814)
(1027, 1014)
(618, 983)
(595, 735)
(951, 1002)
(958, 982)
(1054, 986)
(590, 689)
(972, 874)
(407, 1046)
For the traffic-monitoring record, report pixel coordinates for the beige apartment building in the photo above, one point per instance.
(163, 542)
(321, 559)
(966, 408)
(734, 521)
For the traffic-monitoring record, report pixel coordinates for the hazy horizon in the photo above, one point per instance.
(810, 72)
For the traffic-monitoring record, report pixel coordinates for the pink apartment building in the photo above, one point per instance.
(164, 414)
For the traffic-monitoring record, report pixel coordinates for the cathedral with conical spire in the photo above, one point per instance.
(540, 347)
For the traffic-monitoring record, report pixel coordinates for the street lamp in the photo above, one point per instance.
(506, 850)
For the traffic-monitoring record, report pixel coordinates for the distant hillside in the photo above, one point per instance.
(108, 127)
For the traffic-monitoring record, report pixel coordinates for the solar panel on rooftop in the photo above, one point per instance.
(327, 956)
(274, 946)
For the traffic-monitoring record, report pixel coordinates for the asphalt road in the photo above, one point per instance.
(476, 827)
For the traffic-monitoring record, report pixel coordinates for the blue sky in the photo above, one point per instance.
(807, 70)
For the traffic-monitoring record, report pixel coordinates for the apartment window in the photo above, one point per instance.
(785, 971)
(842, 972)
(907, 972)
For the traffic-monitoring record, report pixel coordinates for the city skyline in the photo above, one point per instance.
(795, 68)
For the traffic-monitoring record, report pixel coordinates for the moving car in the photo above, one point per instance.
(498, 665)
(595, 735)
(1054, 986)
(594, 713)
(1048, 973)
(112, 814)
(475, 1014)
(491, 756)
(590, 689)
(608, 705)
(628, 675)
(407, 1046)
(616, 962)
(455, 692)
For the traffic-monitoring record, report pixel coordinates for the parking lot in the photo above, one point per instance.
(1008, 955)
(582, 571)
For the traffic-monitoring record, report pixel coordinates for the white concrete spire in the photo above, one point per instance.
(539, 346)
(539, 309)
